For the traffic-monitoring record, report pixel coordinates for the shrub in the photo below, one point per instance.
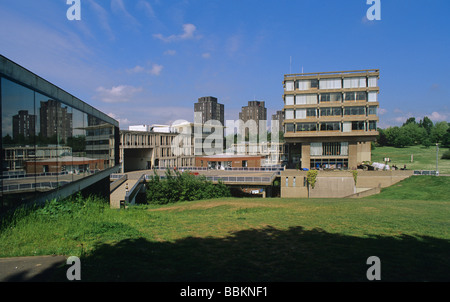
(446, 155)
(182, 187)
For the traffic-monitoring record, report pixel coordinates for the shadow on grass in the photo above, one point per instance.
(267, 255)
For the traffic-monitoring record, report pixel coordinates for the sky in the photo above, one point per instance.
(148, 61)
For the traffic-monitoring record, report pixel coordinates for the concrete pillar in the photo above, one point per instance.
(306, 156)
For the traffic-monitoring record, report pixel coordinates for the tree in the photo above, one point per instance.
(382, 139)
(438, 132)
(414, 132)
(427, 124)
(411, 120)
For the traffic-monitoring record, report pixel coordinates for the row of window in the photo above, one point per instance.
(332, 126)
(338, 97)
(336, 83)
(329, 111)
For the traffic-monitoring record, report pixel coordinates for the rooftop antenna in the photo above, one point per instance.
(290, 64)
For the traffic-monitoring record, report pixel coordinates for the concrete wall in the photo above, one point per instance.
(383, 179)
(335, 184)
(337, 187)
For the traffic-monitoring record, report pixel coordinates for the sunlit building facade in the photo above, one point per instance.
(330, 118)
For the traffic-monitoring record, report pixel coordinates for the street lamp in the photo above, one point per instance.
(437, 158)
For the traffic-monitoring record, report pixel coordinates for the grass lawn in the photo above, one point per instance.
(249, 239)
(423, 158)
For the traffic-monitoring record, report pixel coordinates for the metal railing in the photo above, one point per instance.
(426, 172)
(49, 185)
(130, 193)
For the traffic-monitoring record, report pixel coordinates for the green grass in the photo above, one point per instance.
(423, 158)
(248, 239)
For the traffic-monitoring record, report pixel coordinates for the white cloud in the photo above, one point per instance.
(170, 52)
(438, 117)
(188, 34)
(122, 121)
(382, 111)
(155, 69)
(136, 69)
(117, 94)
(145, 6)
(118, 7)
(102, 15)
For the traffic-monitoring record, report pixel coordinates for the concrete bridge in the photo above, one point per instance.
(125, 186)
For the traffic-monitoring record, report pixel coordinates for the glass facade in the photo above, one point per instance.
(47, 144)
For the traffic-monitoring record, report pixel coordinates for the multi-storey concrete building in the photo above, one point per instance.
(254, 111)
(143, 150)
(210, 109)
(278, 116)
(24, 125)
(330, 118)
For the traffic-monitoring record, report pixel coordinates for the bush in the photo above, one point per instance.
(446, 155)
(182, 187)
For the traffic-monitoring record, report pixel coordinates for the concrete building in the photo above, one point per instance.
(55, 120)
(24, 125)
(147, 150)
(330, 118)
(210, 109)
(254, 111)
(279, 116)
(223, 161)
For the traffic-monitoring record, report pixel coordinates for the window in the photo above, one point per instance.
(347, 127)
(306, 127)
(289, 127)
(316, 149)
(372, 110)
(305, 99)
(289, 114)
(310, 112)
(330, 126)
(372, 82)
(287, 181)
(330, 84)
(355, 111)
(331, 149)
(372, 126)
(289, 85)
(331, 97)
(372, 96)
(361, 96)
(356, 82)
(300, 114)
(293, 183)
(289, 100)
(336, 111)
(358, 126)
(307, 84)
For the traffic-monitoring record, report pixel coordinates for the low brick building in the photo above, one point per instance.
(229, 161)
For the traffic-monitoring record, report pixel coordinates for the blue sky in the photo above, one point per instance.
(148, 61)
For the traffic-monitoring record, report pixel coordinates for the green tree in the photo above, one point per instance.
(427, 124)
(438, 132)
